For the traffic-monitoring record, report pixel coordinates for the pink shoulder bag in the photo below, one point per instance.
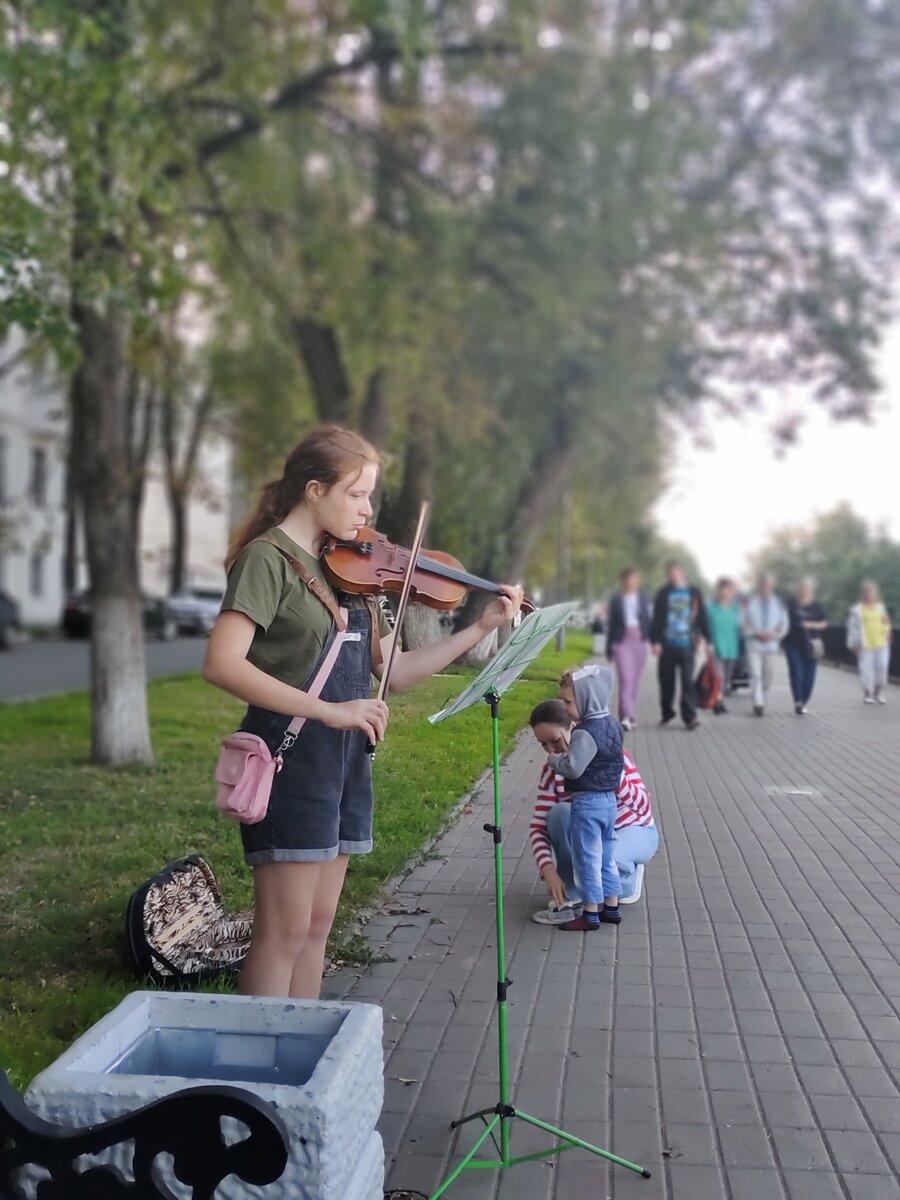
(247, 768)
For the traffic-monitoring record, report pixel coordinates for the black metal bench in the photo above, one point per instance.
(187, 1125)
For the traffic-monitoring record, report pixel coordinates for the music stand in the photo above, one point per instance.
(499, 674)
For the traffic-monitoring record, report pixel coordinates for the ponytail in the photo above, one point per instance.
(325, 455)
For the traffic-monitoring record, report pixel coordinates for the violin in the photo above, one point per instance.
(370, 563)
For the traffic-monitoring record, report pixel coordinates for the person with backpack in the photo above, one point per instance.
(678, 629)
(279, 621)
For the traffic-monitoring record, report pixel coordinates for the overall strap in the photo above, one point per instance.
(315, 585)
(315, 688)
(377, 654)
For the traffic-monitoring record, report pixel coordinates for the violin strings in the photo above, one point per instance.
(435, 568)
(439, 568)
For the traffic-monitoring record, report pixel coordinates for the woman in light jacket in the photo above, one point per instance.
(765, 624)
(628, 640)
(869, 636)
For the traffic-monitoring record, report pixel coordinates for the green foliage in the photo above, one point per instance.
(527, 239)
(75, 840)
(839, 550)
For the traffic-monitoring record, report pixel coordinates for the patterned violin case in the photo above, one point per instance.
(176, 928)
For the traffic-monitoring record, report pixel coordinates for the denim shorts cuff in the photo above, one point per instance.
(260, 858)
(355, 847)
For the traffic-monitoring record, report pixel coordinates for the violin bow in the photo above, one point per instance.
(414, 552)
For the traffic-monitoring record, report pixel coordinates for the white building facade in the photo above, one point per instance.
(33, 446)
(33, 438)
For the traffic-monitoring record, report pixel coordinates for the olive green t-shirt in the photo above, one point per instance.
(292, 624)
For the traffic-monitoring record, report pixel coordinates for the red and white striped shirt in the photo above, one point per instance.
(632, 806)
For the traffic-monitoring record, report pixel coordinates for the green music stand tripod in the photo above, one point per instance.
(531, 636)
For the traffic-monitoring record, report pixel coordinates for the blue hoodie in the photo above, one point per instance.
(594, 760)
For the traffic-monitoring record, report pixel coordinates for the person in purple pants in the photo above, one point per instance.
(628, 641)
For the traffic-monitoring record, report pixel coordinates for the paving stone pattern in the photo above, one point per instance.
(738, 1034)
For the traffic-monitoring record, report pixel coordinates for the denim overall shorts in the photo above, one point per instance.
(321, 804)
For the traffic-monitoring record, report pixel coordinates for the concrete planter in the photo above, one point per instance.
(319, 1063)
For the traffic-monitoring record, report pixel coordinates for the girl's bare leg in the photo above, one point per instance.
(306, 978)
(283, 896)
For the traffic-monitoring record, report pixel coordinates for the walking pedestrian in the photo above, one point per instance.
(678, 629)
(628, 641)
(869, 636)
(803, 644)
(765, 624)
(724, 616)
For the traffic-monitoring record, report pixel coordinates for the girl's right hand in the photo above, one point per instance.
(371, 716)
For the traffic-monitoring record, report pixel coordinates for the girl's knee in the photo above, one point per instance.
(284, 939)
(320, 924)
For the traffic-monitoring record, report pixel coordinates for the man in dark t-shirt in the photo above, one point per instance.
(679, 626)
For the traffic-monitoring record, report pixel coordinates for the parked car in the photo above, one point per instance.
(195, 608)
(158, 621)
(10, 626)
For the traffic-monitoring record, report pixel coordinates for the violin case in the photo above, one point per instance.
(177, 931)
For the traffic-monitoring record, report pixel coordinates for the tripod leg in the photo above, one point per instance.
(577, 1141)
(461, 1166)
(482, 1112)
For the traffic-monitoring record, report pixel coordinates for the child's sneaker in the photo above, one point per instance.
(557, 915)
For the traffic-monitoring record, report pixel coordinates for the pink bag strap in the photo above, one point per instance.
(315, 688)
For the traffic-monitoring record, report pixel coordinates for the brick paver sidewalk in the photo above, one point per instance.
(738, 1033)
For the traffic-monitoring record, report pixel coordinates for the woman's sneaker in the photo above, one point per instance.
(638, 883)
(627, 724)
(553, 915)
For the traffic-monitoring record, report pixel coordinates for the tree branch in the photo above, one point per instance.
(306, 88)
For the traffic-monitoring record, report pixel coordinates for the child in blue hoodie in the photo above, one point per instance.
(593, 766)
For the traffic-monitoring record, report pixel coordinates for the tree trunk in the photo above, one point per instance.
(73, 510)
(564, 559)
(538, 496)
(374, 420)
(321, 356)
(180, 477)
(140, 402)
(480, 652)
(70, 550)
(120, 731)
(178, 513)
(402, 515)
(421, 627)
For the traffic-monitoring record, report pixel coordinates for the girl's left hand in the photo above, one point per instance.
(502, 610)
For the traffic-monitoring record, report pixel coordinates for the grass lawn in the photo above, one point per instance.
(76, 840)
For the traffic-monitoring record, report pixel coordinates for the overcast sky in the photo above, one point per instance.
(722, 502)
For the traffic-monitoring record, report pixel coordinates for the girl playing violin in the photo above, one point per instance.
(278, 621)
